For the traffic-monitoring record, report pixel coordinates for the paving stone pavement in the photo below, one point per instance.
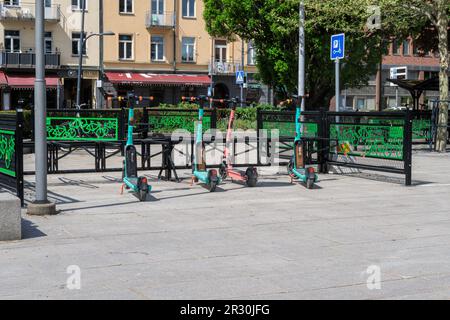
(276, 241)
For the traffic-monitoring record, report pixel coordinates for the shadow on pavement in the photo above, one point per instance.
(30, 230)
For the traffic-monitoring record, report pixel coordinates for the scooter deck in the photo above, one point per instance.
(237, 174)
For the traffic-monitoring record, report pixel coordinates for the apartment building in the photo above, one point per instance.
(401, 54)
(62, 37)
(161, 48)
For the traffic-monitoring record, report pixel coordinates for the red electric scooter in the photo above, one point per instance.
(249, 176)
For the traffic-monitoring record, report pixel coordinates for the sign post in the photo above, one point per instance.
(398, 73)
(337, 53)
(240, 80)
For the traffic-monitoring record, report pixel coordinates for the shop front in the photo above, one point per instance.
(164, 88)
(17, 91)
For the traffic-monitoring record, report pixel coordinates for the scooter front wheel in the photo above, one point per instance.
(142, 195)
(212, 186)
(252, 177)
(310, 183)
(223, 171)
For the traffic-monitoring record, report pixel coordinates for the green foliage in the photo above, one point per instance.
(273, 25)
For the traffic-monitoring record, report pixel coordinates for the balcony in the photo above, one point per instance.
(165, 20)
(224, 67)
(28, 60)
(26, 12)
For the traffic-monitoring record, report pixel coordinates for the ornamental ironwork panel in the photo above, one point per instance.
(7, 153)
(371, 141)
(82, 129)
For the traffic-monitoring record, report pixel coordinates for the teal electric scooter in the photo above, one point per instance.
(199, 171)
(131, 180)
(297, 168)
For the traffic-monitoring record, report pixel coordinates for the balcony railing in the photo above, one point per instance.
(26, 11)
(224, 67)
(28, 59)
(165, 20)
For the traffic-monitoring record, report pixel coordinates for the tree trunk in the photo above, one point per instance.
(442, 27)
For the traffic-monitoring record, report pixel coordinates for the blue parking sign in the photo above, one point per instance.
(337, 46)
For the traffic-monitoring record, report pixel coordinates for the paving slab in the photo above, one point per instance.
(276, 241)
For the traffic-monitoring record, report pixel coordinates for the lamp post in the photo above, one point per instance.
(41, 205)
(301, 56)
(80, 63)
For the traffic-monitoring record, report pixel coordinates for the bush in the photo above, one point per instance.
(27, 122)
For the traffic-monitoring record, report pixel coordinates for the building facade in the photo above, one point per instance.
(161, 48)
(401, 54)
(62, 37)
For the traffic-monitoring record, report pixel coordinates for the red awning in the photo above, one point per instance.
(158, 79)
(3, 81)
(27, 81)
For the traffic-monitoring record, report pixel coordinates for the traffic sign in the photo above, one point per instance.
(240, 75)
(337, 46)
(398, 73)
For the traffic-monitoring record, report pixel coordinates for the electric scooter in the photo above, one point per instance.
(296, 167)
(249, 176)
(138, 184)
(199, 171)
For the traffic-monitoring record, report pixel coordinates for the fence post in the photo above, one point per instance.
(32, 124)
(258, 128)
(146, 123)
(19, 155)
(214, 118)
(407, 147)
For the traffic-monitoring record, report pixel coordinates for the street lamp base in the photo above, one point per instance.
(38, 208)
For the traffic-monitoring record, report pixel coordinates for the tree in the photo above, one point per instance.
(433, 33)
(272, 25)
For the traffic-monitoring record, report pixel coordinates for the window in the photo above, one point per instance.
(406, 48)
(77, 4)
(48, 42)
(220, 50)
(188, 8)
(251, 54)
(126, 6)
(12, 2)
(12, 41)
(188, 49)
(157, 6)
(416, 50)
(125, 47)
(395, 47)
(76, 43)
(360, 104)
(157, 49)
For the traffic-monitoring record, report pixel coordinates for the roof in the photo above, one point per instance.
(431, 84)
(3, 81)
(27, 81)
(158, 79)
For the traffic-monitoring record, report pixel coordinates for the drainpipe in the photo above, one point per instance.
(100, 55)
(174, 36)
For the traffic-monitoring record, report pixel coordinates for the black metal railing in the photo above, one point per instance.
(376, 141)
(28, 59)
(11, 153)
